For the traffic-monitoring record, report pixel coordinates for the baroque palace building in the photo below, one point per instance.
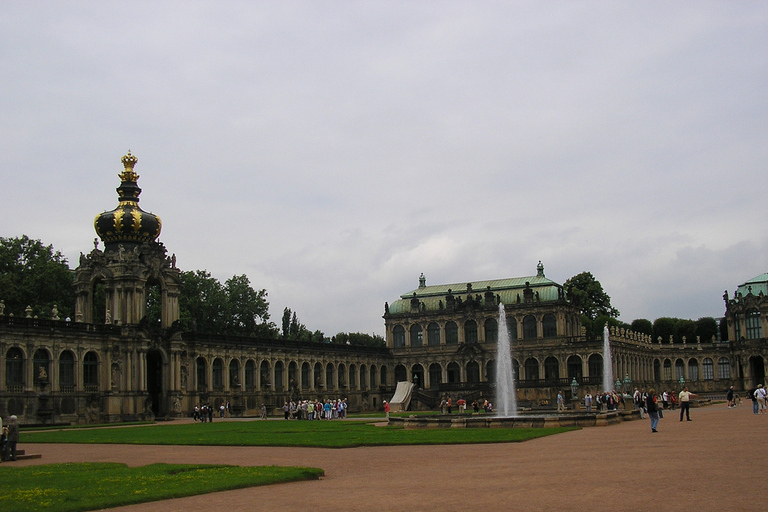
(109, 364)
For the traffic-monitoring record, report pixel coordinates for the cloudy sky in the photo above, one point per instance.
(333, 151)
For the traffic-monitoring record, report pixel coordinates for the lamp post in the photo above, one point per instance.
(618, 385)
(682, 382)
(627, 384)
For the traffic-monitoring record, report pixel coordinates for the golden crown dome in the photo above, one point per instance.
(127, 224)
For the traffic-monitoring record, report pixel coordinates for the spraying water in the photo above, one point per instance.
(506, 395)
(607, 361)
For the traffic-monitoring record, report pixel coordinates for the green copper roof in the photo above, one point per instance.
(507, 289)
(756, 285)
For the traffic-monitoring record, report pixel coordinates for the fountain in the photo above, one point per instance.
(507, 415)
(506, 395)
(607, 361)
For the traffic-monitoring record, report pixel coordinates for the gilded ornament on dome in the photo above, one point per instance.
(118, 220)
(136, 214)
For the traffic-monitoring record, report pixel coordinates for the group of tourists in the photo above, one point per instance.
(446, 405)
(9, 436)
(315, 409)
(654, 405)
(605, 401)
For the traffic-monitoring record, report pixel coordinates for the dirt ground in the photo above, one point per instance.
(715, 462)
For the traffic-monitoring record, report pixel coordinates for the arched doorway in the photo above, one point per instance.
(155, 382)
(757, 370)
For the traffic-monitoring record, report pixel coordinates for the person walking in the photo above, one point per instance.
(386, 409)
(760, 394)
(13, 438)
(653, 409)
(685, 403)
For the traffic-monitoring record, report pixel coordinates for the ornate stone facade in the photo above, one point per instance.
(109, 364)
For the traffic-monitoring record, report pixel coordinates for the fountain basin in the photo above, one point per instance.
(575, 419)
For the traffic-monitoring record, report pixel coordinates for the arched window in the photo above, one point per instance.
(531, 369)
(41, 367)
(293, 381)
(417, 335)
(401, 374)
(656, 370)
(490, 371)
(352, 377)
(551, 369)
(329, 377)
(529, 327)
(250, 374)
(491, 330)
(454, 373)
(372, 380)
(595, 368)
(14, 370)
(91, 372)
(363, 377)
(679, 369)
(234, 374)
(470, 331)
(435, 376)
(433, 334)
(451, 333)
(279, 371)
(383, 376)
(67, 372)
(305, 380)
(318, 376)
(693, 370)
(512, 328)
(754, 330)
(574, 369)
(723, 368)
(218, 373)
(398, 336)
(200, 372)
(264, 381)
(341, 372)
(549, 326)
(515, 369)
(473, 372)
(667, 375)
(708, 369)
(417, 376)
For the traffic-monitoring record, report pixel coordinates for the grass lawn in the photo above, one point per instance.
(326, 434)
(92, 486)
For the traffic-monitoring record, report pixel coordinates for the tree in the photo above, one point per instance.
(246, 307)
(586, 293)
(358, 339)
(663, 328)
(232, 308)
(202, 302)
(642, 326)
(34, 274)
(706, 327)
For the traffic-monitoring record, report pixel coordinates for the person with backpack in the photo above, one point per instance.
(751, 396)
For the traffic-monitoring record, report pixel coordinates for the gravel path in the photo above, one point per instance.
(715, 462)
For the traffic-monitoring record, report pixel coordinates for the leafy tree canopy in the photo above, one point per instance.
(297, 331)
(359, 339)
(642, 326)
(34, 274)
(231, 308)
(586, 293)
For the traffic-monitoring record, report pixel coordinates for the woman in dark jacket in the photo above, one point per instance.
(653, 409)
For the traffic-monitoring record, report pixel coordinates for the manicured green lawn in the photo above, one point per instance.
(92, 486)
(327, 434)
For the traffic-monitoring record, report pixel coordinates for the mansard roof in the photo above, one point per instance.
(509, 291)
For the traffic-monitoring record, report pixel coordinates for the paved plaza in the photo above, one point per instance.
(716, 462)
